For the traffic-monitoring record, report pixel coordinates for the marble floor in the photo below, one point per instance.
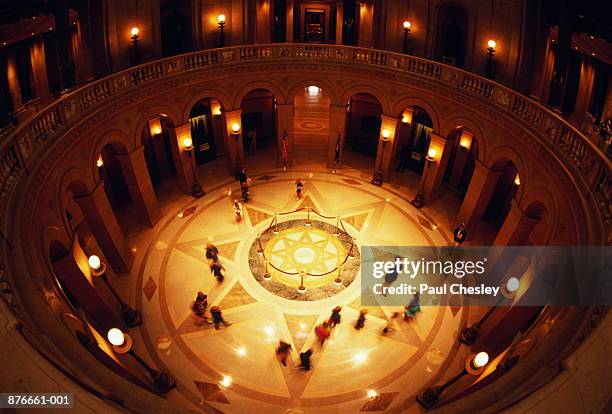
(235, 369)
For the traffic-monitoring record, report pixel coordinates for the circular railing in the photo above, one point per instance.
(302, 273)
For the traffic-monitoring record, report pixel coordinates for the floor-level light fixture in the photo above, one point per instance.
(419, 199)
(474, 366)
(122, 344)
(196, 189)
(131, 317)
(385, 135)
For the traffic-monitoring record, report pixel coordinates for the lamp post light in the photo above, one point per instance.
(474, 365)
(302, 289)
(406, 30)
(489, 73)
(135, 32)
(131, 317)
(419, 198)
(378, 174)
(221, 23)
(122, 344)
(196, 190)
(236, 134)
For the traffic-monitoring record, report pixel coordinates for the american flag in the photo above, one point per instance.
(337, 150)
(285, 146)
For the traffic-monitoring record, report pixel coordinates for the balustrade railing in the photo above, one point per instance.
(18, 149)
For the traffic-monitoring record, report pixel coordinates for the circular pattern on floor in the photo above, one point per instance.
(234, 369)
(324, 253)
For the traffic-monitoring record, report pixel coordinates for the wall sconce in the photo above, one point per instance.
(155, 127)
(406, 30)
(517, 180)
(215, 109)
(188, 145)
(131, 317)
(509, 288)
(122, 344)
(236, 129)
(465, 140)
(100, 162)
(490, 51)
(385, 134)
(474, 365)
(431, 155)
(407, 116)
(221, 23)
(135, 32)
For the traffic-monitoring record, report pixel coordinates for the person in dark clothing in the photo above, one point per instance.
(217, 317)
(217, 269)
(361, 320)
(242, 176)
(199, 308)
(298, 188)
(282, 352)
(334, 319)
(212, 252)
(390, 277)
(305, 362)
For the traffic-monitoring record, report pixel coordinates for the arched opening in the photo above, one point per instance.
(413, 136)
(362, 130)
(451, 34)
(462, 160)
(310, 125)
(175, 19)
(155, 139)
(258, 120)
(500, 202)
(206, 120)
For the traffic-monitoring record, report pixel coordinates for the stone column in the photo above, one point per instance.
(585, 90)
(105, 228)
(461, 157)
(134, 169)
(39, 71)
(233, 142)
(562, 57)
(262, 22)
(337, 119)
(284, 121)
(289, 23)
(13, 80)
(477, 196)
(339, 21)
(384, 153)
(517, 227)
(437, 168)
(184, 174)
(96, 305)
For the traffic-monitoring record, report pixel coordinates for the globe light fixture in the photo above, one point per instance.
(135, 31)
(188, 144)
(235, 128)
(512, 284)
(100, 162)
(406, 29)
(221, 23)
(94, 262)
(115, 337)
(386, 134)
(432, 153)
(481, 359)
(489, 73)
